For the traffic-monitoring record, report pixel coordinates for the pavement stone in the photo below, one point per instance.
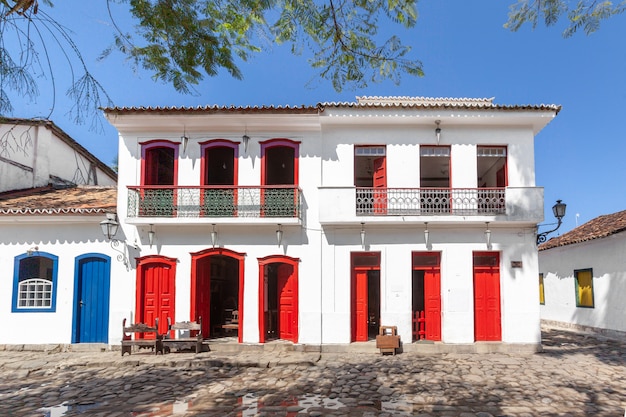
(574, 375)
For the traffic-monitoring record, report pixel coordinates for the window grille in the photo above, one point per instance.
(492, 151)
(35, 293)
(369, 151)
(433, 151)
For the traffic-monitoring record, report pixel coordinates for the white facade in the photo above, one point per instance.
(603, 259)
(328, 235)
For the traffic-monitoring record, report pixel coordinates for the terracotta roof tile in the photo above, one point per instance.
(362, 102)
(53, 201)
(602, 226)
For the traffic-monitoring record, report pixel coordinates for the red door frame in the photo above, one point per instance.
(140, 308)
(272, 143)
(204, 164)
(359, 288)
(145, 164)
(197, 256)
(487, 299)
(282, 259)
(280, 142)
(432, 294)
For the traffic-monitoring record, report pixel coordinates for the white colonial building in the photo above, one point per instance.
(53, 195)
(582, 277)
(317, 224)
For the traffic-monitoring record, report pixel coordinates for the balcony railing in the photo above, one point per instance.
(430, 201)
(214, 201)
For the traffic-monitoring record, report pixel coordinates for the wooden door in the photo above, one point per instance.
(360, 306)
(487, 319)
(157, 296)
(203, 294)
(380, 186)
(287, 286)
(432, 304)
(92, 291)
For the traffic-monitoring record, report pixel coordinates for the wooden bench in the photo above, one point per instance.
(133, 335)
(232, 323)
(186, 341)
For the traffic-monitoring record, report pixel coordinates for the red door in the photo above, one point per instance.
(203, 294)
(156, 294)
(360, 310)
(287, 303)
(487, 320)
(432, 303)
(380, 186)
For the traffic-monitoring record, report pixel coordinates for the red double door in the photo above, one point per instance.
(427, 293)
(155, 290)
(278, 298)
(487, 314)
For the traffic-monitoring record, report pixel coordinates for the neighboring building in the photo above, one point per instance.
(37, 153)
(54, 259)
(582, 277)
(317, 224)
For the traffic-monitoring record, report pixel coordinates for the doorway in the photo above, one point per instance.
(279, 178)
(91, 298)
(426, 296)
(278, 299)
(370, 178)
(487, 319)
(217, 292)
(365, 296)
(156, 290)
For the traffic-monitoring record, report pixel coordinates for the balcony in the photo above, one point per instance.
(211, 204)
(447, 205)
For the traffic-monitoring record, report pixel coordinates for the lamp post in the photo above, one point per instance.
(559, 212)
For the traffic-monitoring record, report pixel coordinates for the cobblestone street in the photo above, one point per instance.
(575, 375)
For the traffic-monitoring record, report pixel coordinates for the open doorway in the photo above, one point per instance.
(370, 178)
(216, 292)
(365, 290)
(278, 318)
(426, 296)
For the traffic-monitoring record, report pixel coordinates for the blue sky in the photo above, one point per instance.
(466, 52)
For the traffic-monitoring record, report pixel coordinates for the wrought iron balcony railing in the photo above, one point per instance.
(214, 201)
(430, 201)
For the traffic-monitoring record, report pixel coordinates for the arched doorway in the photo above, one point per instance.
(217, 292)
(278, 298)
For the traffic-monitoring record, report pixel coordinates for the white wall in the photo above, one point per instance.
(67, 241)
(606, 258)
(34, 153)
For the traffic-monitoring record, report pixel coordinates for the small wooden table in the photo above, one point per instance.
(388, 340)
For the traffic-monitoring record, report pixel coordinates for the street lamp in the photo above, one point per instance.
(109, 226)
(559, 212)
(109, 230)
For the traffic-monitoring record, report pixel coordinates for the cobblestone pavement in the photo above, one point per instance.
(575, 375)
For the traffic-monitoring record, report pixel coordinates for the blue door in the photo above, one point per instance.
(92, 283)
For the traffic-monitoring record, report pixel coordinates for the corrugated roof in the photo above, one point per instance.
(602, 226)
(362, 102)
(49, 200)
